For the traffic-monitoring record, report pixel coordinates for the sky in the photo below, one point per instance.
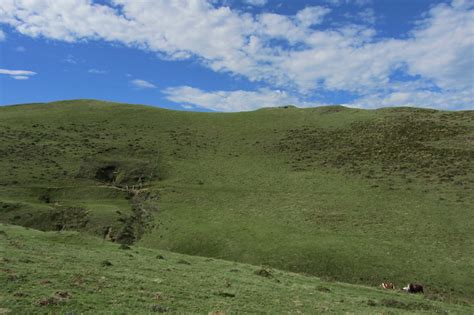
(239, 55)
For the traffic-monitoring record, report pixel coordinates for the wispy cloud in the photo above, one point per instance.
(344, 2)
(18, 74)
(71, 60)
(20, 49)
(257, 3)
(142, 84)
(20, 77)
(2, 35)
(97, 71)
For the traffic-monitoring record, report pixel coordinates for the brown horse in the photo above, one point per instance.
(387, 285)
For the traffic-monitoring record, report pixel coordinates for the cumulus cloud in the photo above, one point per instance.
(142, 84)
(18, 74)
(295, 53)
(230, 100)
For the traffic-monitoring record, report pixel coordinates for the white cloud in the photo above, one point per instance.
(367, 16)
(312, 15)
(257, 3)
(71, 59)
(97, 71)
(20, 77)
(2, 35)
(426, 99)
(18, 74)
(229, 101)
(442, 48)
(344, 2)
(142, 84)
(286, 52)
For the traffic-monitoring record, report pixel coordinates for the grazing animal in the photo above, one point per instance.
(388, 286)
(413, 288)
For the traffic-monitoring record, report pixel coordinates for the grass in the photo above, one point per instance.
(349, 195)
(64, 272)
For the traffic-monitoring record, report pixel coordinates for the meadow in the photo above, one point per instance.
(346, 195)
(73, 273)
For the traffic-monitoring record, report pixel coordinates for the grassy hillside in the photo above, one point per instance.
(349, 195)
(63, 272)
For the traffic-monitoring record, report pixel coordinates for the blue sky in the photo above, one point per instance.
(230, 55)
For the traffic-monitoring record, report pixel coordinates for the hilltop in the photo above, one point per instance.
(347, 195)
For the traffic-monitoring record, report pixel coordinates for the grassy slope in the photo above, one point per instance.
(277, 186)
(62, 272)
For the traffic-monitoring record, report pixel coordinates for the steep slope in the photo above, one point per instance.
(352, 195)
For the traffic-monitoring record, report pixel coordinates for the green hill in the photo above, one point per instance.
(349, 195)
(67, 272)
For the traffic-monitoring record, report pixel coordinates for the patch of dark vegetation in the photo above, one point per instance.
(371, 303)
(264, 272)
(160, 308)
(323, 289)
(45, 282)
(142, 220)
(68, 218)
(16, 278)
(183, 262)
(20, 294)
(57, 298)
(46, 196)
(404, 145)
(106, 263)
(331, 109)
(4, 260)
(225, 294)
(106, 173)
(188, 143)
(9, 206)
(48, 301)
(125, 247)
(119, 172)
(160, 257)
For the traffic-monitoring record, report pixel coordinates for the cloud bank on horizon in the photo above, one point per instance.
(307, 57)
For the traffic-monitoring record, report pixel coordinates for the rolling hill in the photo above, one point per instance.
(347, 195)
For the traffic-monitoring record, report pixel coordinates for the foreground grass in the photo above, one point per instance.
(69, 272)
(348, 195)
